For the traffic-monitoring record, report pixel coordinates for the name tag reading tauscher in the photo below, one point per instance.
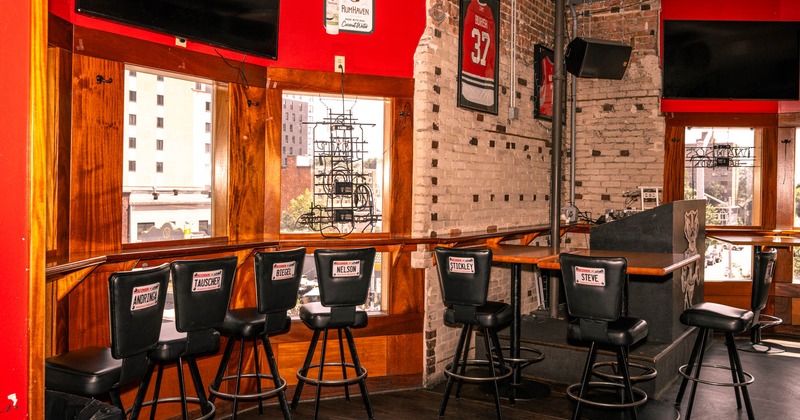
(283, 271)
(346, 268)
(203, 281)
(590, 276)
(144, 297)
(461, 265)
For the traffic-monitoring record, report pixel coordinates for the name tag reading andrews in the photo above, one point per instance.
(346, 268)
(283, 271)
(144, 297)
(590, 276)
(461, 265)
(203, 281)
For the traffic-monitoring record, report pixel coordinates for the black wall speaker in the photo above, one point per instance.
(597, 58)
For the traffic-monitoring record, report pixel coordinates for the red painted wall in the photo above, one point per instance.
(779, 10)
(14, 229)
(302, 41)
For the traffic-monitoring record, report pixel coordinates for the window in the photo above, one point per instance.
(208, 106)
(131, 142)
(132, 96)
(178, 199)
(208, 127)
(132, 119)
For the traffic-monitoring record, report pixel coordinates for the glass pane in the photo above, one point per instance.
(726, 262)
(167, 178)
(332, 170)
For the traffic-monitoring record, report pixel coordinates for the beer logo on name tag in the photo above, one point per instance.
(283, 271)
(461, 265)
(203, 281)
(590, 276)
(144, 296)
(346, 268)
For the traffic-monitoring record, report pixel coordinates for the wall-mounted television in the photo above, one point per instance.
(705, 59)
(248, 26)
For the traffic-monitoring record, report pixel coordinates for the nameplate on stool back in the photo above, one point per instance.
(461, 265)
(283, 270)
(588, 276)
(346, 268)
(144, 297)
(203, 281)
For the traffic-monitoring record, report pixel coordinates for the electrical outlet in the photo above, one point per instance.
(181, 42)
(338, 64)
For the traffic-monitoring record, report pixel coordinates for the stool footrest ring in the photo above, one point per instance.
(748, 377)
(768, 321)
(636, 391)
(523, 362)
(173, 400)
(648, 372)
(271, 392)
(506, 371)
(333, 382)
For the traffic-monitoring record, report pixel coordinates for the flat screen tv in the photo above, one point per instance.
(731, 60)
(248, 26)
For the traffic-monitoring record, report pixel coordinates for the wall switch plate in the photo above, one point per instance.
(181, 42)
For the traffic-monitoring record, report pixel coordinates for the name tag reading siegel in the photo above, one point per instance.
(283, 271)
(144, 297)
(461, 265)
(590, 276)
(346, 268)
(203, 281)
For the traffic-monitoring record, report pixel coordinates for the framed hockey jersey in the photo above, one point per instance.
(478, 55)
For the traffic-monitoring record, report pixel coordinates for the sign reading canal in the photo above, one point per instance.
(283, 271)
(346, 268)
(144, 297)
(203, 281)
(461, 265)
(590, 276)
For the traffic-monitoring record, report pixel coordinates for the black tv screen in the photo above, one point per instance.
(731, 60)
(249, 26)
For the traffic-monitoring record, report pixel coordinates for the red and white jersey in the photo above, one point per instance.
(546, 90)
(478, 55)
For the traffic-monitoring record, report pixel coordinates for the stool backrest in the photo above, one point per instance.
(763, 270)
(136, 304)
(464, 275)
(278, 276)
(344, 275)
(202, 291)
(594, 286)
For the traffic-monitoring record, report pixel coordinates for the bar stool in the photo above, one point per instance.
(595, 290)
(712, 317)
(763, 270)
(464, 280)
(202, 292)
(136, 304)
(344, 279)
(277, 276)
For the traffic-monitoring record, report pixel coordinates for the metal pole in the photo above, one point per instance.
(555, 164)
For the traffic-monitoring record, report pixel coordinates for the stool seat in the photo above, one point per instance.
(318, 317)
(173, 344)
(248, 323)
(495, 315)
(91, 369)
(623, 332)
(717, 317)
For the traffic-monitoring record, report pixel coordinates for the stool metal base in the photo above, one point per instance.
(642, 396)
(266, 394)
(516, 387)
(762, 347)
(647, 372)
(748, 381)
(178, 400)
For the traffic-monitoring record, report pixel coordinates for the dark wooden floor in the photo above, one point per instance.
(775, 396)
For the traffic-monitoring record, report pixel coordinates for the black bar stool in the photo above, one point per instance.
(595, 289)
(277, 276)
(344, 278)
(763, 270)
(202, 292)
(712, 317)
(464, 276)
(136, 303)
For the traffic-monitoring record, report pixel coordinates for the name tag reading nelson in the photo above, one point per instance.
(283, 271)
(144, 297)
(461, 265)
(346, 268)
(590, 276)
(203, 281)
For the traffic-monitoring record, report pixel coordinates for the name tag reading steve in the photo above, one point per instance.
(461, 265)
(590, 276)
(144, 297)
(203, 281)
(283, 271)
(346, 268)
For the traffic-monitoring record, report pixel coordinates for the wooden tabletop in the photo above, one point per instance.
(642, 263)
(774, 241)
(520, 254)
